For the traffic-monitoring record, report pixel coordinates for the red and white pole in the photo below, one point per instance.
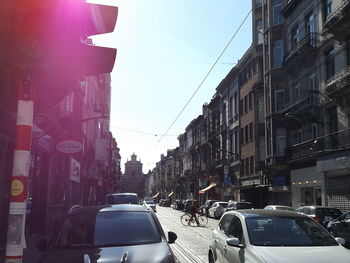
(19, 186)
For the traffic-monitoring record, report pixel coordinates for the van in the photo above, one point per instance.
(122, 198)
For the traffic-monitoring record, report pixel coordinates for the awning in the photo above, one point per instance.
(170, 194)
(156, 195)
(207, 188)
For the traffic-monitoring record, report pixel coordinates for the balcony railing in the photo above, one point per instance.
(300, 104)
(339, 80)
(302, 47)
(339, 140)
(338, 14)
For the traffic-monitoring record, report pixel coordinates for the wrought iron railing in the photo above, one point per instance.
(309, 41)
(338, 80)
(337, 14)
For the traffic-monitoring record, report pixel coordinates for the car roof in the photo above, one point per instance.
(123, 194)
(263, 212)
(108, 208)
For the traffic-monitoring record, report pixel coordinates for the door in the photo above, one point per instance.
(232, 254)
(222, 236)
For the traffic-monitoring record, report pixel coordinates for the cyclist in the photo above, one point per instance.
(193, 210)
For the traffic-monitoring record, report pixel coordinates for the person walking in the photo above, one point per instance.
(193, 210)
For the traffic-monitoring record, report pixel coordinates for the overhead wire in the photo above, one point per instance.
(205, 77)
(139, 131)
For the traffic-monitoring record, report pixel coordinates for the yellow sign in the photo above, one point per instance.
(17, 187)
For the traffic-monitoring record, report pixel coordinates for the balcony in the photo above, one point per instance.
(336, 141)
(303, 53)
(307, 106)
(289, 7)
(339, 83)
(338, 21)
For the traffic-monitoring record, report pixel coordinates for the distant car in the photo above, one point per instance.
(340, 227)
(279, 207)
(235, 205)
(150, 204)
(122, 198)
(273, 236)
(322, 214)
(205, 207)
(215, 210)
(187, 205)
(115, 233)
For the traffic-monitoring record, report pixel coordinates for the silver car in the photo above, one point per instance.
(116, 233)
(273, 236)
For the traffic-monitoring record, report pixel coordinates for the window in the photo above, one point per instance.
(294, 36)
(251, 162)
(310, 28)
(313, 88)
(261, 109)
(230, 107)
(278, 53)
(235, 229)
(247, 166)
(280, 141)
(277, 8)
(245, 104)
(330, 66)
(299, 135)
(235, 104)
(296, 91)
(279, 100)
(262, 148)
(251, 131)
(225, 224)
(250, 100)
(246, 134)
(258, 2)
(327, 7)
(314, 131)
(243, 167)
(348, 50)
(236, 141)
(241, 135)
(259, 31)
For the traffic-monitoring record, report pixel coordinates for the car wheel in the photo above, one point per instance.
(211, 257)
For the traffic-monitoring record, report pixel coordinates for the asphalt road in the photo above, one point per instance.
(192, 242)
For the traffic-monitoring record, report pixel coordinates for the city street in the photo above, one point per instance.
(192, 242)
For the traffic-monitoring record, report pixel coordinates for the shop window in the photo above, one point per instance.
(277, 8)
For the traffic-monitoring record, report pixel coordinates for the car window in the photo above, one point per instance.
(122, 199)
(287, 231)
(243, 206)
(109, 229)
(331, 212)
(235, 228)
(224, 224)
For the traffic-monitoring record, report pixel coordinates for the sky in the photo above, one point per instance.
(165, 49)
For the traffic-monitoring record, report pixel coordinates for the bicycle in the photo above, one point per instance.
(185, 219)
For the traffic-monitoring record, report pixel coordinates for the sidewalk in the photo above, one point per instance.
(31, 254)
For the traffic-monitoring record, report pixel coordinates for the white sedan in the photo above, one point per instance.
(215, 210)
(150, 205)
(273, 236)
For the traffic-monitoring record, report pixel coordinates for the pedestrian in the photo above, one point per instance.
(193, 210)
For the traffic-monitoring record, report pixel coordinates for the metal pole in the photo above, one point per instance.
(19, 186)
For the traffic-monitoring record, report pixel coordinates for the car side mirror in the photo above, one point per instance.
(42, 244)
(340, 240)
(171, 237)
(234, 242)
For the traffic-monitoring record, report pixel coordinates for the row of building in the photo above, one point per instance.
(74, 157)
(276, 131)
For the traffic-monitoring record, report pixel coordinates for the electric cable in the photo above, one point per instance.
(206, 76)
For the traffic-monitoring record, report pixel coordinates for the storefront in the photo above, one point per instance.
(336, 169)
(308, 187)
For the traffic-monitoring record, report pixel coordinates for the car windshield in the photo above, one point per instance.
(122, 199)
(244, 206)
(106, 229)
(287, 231)
(284, 208)
(334, 213)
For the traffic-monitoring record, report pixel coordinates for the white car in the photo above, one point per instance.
(279, 207)
(215, 210)
(273, 236)
(150, 205)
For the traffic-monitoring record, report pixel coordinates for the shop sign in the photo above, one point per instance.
(69, 146)
(250, 182)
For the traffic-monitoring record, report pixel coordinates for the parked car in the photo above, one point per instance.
(322, 214)
(340, 227)
(187, 205)
(178, 204)
(274, 236)
(279, 207)
(205, 207)
(235, 205)
(115, 233)
(215, 210)
(121, 198)
(150, 205)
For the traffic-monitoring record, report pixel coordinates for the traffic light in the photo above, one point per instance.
(49, 40)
